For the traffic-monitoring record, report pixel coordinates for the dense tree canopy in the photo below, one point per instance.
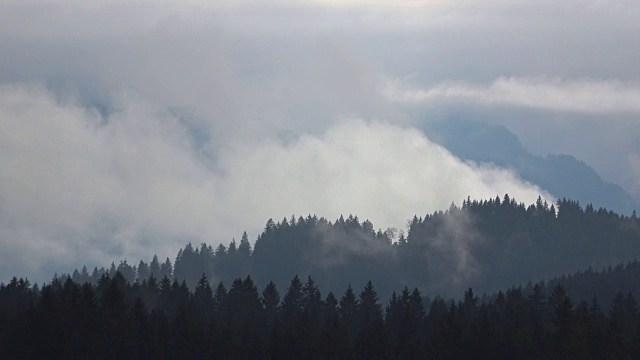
(117, 319)
(485, 244)
(226, 303)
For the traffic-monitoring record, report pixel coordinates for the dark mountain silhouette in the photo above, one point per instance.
(561, 175)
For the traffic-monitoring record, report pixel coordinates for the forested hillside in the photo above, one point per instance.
(164, 320)
(344, 290)
(488, 245)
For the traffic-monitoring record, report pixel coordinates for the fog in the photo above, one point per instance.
(86, 187)
(128, 130)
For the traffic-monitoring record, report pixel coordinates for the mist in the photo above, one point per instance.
(130, 130)
(87, 187)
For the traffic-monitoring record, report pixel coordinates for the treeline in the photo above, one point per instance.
(164, 320)
(584, 285)
(486, 244)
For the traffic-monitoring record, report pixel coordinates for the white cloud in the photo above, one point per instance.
(384, 172)
(83, 189)
(554, 94)
(79, 189)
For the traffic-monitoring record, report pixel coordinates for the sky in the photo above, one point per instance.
(132, 128)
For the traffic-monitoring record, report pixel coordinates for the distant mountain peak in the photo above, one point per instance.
(562, 175)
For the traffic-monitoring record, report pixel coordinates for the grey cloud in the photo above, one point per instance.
(74, 179)
(159, 123)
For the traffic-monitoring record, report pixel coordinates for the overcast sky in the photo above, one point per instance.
(130, 129)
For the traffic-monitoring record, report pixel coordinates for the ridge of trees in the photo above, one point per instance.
(165, 320)
(158, 310)
(485, 244)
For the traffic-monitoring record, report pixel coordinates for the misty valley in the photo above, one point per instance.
(493, 278)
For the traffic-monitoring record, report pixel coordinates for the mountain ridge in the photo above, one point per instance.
(562, 175)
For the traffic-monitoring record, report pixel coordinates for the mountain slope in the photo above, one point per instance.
(562, 175)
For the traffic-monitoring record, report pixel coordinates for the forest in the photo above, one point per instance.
(490, 279)
(164, 320)
(487, 245)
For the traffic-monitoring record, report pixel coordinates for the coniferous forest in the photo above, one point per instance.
(164, 320)
(490, 279)
(487, 245)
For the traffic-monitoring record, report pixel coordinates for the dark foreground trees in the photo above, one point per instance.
(164, 320)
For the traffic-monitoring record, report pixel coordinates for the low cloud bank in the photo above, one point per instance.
(83, 188)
